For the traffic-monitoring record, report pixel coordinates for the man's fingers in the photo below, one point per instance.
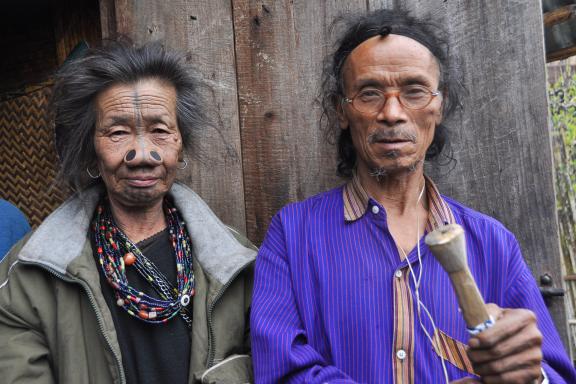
(509, 323)
(528, 360)
(526, 339)
(521, 377)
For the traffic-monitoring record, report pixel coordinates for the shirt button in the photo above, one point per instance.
(398, 273)
(375, 209)
(401, 354)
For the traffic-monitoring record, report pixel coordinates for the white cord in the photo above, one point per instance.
(416, 281)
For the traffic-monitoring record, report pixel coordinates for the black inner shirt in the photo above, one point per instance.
(151, 353)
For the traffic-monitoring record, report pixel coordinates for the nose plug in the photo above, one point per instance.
(131, 155)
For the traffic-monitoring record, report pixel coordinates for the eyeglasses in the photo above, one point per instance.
(370, 101)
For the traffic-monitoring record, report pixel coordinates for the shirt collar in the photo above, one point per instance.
(356, 201)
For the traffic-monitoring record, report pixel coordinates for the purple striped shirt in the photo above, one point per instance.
(334, 302)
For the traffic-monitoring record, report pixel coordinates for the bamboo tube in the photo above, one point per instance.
(448, 245)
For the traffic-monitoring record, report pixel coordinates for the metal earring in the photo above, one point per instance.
(91, 175)
(185, 164)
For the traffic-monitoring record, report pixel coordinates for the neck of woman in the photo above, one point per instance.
(139, 223)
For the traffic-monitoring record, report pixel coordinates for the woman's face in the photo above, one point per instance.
(137, 142)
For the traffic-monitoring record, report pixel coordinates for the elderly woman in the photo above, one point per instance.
(134, 279)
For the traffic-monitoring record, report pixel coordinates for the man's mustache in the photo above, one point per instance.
(390, 135)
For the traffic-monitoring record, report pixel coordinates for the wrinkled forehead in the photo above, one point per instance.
(398, 54)
(144, 96)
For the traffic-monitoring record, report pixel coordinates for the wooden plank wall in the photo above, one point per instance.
(263, 61)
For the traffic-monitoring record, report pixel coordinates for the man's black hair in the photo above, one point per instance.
(81, 80)
(359, 28)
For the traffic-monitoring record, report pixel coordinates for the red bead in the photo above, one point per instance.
(129, 258)
(99, 249)
(143, 314)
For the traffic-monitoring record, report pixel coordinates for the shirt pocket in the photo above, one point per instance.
(453, 351)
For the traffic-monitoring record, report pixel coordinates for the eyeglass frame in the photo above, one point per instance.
(395, 93)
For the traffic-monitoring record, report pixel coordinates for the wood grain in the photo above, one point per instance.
(75, 21)
(280, 46)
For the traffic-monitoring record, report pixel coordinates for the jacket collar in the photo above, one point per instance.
(62, 236)
(357, 201)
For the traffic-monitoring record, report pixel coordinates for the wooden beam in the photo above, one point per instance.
(559, 15)
(561, 54)
(279, 50)
(570, 278)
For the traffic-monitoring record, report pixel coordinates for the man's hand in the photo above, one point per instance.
(511, 350)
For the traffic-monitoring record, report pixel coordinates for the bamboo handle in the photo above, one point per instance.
(448, 245)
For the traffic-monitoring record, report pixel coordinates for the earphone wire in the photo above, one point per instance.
(417, 281)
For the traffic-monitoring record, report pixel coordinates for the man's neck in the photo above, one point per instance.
(402, 196)
(398, 192)
(139, 223)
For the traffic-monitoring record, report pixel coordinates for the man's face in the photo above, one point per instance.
(396, 138)
(137, 141)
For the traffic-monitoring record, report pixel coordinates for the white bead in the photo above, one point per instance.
(120, 302)
(185, 300)
(152, 315)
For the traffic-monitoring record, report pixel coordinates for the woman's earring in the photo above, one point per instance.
(185, 164)
(91, 175)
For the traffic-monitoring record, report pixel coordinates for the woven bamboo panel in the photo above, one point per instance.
(27, 156)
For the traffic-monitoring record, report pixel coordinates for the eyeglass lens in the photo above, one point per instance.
(371, 101)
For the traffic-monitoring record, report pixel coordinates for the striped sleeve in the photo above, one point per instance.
(279, 343)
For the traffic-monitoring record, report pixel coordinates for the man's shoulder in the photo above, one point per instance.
(327, 202)
(474, 220)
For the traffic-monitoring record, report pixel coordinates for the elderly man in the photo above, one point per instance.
(346, 290)
(134, 279)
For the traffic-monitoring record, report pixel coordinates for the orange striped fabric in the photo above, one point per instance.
(404, 329)
(356, 201)
(453, 351)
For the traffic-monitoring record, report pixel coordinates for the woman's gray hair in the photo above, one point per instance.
(80, 81)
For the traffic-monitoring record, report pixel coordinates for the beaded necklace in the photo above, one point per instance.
(116, 252)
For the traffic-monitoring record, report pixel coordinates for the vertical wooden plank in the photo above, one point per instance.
(501, 142)
(204, 30)
(279, 47)
(107, 18)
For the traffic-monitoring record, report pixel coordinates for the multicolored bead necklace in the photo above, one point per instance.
(116, 251)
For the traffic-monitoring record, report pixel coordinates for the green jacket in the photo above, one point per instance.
(55, 326)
